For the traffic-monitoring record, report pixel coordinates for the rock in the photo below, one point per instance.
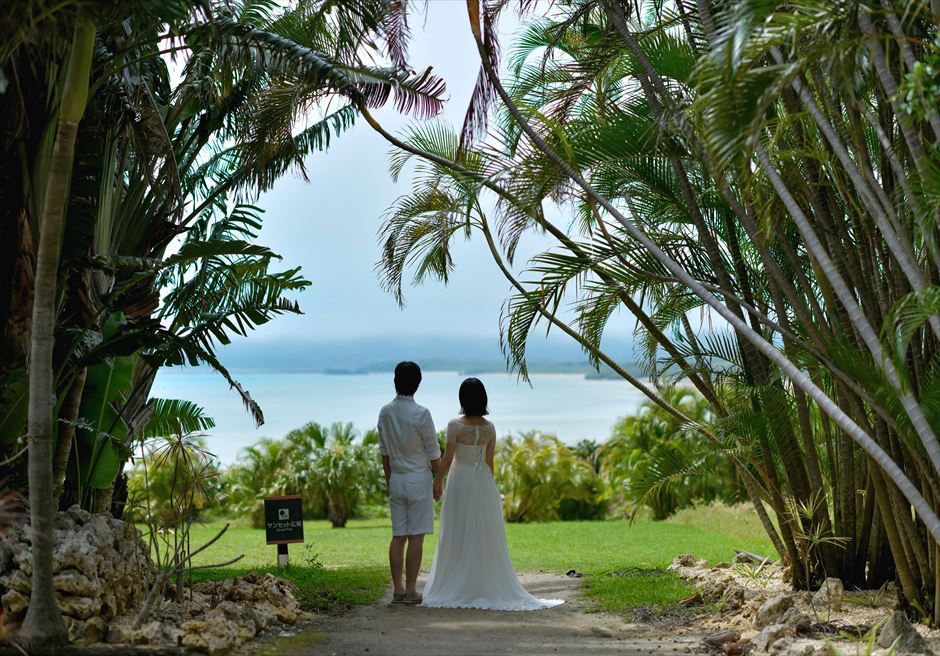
(76, 514)
(101, 568)
(682, 560)
(772, 610)
(773, 635)
(715, 586)
(78, 607)
(214, 634)
(265, 615)
(804, 649)
(17, 580)
(74, 582)
(119, 631)
(798, 620)
(75, 628)
(85, 632)
(14, 602)
(734, 595)
(898, 628)
(829, 596)
(95, 630)
(160, 634)
(243, 616)
(716, 639)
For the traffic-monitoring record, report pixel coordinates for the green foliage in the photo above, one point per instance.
(655, 460)
(541, 479)
(100, 441)
(174, 417)
(159, 262)
(176, 480)
(919, 91)
(331, 469)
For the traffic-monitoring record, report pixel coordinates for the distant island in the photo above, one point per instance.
(468, 356)
(466, 368)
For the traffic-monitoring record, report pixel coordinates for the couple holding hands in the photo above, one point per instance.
(471, 567)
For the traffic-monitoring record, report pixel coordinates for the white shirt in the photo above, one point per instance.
(407, 436)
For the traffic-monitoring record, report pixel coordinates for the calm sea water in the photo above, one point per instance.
(569, 406)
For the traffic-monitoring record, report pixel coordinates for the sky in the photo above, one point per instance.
(329, 225)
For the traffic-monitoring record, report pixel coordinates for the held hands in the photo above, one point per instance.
(438, 489)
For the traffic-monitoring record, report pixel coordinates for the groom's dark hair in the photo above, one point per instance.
(407, 378)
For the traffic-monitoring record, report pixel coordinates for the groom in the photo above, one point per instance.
(409, 445)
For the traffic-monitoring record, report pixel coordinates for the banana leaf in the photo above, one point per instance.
(14, 396)
(100, 442)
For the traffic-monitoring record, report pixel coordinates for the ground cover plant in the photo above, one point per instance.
(336, 568)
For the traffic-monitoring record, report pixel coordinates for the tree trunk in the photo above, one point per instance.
(63, 447)
(338, 510)
(43, 625)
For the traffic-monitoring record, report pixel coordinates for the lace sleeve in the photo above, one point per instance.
(491, 433)
(452, 428)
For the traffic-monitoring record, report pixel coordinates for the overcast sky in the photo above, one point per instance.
(329, 226)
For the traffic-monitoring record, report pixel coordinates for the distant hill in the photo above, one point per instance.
(467, 355)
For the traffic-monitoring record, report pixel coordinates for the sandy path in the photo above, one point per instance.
(388, 630)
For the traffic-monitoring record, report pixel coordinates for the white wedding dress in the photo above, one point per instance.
(471, 567)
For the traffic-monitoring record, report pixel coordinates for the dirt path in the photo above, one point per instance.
(387, 630)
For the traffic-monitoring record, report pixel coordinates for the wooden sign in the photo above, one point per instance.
(283, 520)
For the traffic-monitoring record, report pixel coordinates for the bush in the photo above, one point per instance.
(655, 460)
(177, 479)
(329, 468)
(542, 479)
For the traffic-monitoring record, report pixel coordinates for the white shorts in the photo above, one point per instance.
(411, 501)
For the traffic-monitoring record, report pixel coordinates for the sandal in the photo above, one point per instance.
(411, 599)
(398, 598)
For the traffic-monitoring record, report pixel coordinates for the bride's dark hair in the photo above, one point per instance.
(472, 397)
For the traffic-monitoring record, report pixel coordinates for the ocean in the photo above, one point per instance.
(566, 405)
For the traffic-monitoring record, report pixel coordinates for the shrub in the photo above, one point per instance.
(176, 480)
(655, 460)
(542, 479)
(329, 468)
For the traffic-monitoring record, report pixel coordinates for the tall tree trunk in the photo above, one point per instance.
(63, 447)
(43, 625)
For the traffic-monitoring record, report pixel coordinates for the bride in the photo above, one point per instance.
(471, 567)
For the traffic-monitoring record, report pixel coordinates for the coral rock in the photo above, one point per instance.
(772, 610)
(101, 568)
(773, 637)
(829, 596)
(682, 560)
(898, 628)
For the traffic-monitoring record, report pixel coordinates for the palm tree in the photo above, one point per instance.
(344, 471)
(765, 166)
(654, 459)
(43, 624)
(153, 163)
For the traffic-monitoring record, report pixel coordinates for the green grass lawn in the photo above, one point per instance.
(619, 560)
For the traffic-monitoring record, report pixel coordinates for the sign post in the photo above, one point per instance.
(283, 524)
